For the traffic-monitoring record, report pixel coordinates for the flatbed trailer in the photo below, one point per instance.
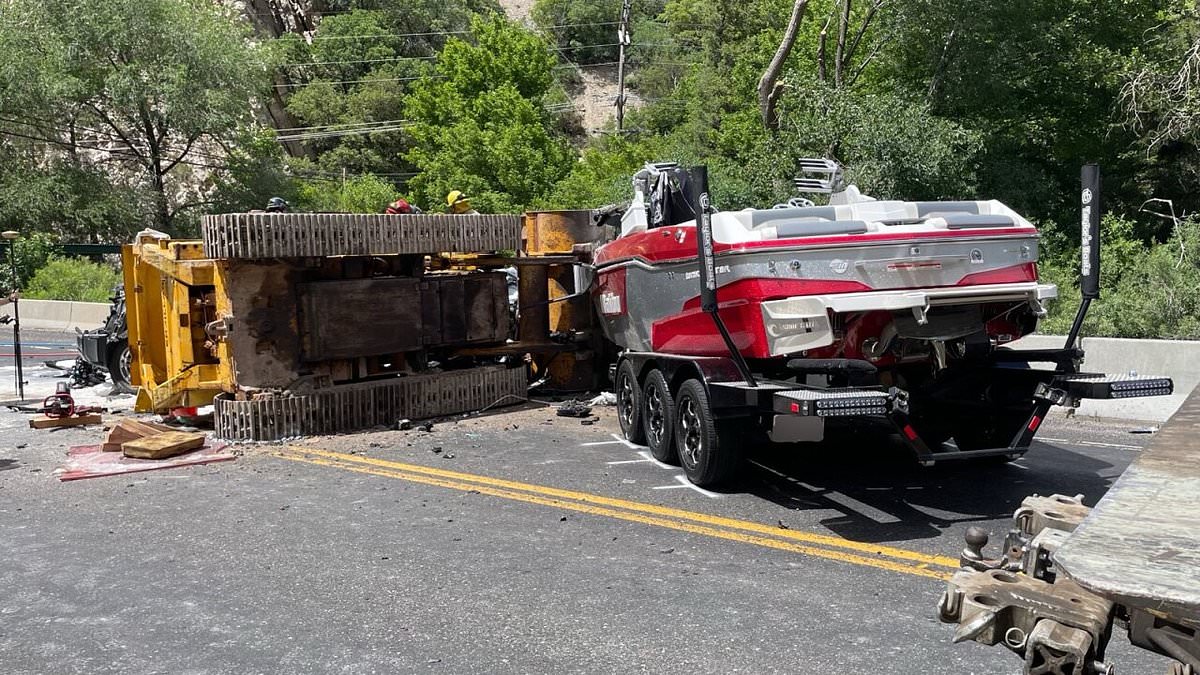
(1068, 576)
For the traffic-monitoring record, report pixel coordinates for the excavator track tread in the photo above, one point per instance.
(350, 407)
(256, 236)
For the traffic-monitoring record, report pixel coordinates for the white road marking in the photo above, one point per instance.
(630, 461)
(684, 482)
(589, 445)
(1097, 444)
(668, 487)
(1111, 445)
(646, 457)
(632, 446)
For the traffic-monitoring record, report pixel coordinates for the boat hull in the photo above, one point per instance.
(647, 291)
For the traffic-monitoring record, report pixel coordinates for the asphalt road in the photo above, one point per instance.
(519, 542)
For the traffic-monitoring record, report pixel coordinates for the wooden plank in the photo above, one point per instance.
(165, 444)
(127, 430)
(1138, 545)
(43, 422)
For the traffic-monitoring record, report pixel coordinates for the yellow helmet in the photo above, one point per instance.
(455, 197)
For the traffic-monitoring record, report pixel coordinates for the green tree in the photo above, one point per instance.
(586, 30)
(30, 254)
(356, 194)
(479, 121)
(346, 88)
(147, 85)
(74, 279)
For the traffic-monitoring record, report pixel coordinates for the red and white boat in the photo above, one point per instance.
(782, 319)
(858, 278)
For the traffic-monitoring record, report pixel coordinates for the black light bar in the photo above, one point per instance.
(1096, 386)
(835, 403)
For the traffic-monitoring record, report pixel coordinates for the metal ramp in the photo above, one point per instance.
(1141, 543)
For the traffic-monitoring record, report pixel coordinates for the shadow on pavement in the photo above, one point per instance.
(6, 464)
(883, 495)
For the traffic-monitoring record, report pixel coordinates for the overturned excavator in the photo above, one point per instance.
(295, 324)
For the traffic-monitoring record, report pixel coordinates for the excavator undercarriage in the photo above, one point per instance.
(300, 324)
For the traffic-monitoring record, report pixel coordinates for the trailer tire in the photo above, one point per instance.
(120, 363)
(629, 404)
(707, 448)
(658, 417)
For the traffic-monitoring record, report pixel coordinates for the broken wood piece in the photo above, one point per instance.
(45, 422)
(129, 430)
(164, 444)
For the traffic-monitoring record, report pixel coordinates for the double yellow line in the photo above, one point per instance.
(731, 529)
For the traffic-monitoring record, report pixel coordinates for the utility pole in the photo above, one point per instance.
(12, 236)
(623, 43)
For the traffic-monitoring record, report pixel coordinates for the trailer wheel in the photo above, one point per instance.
(658, 417)
(629, 404)
(707, 449)
(120, 363)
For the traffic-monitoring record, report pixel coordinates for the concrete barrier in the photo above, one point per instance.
(60, 315)
(1178, 359)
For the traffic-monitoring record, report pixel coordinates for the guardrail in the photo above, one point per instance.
(60, 315)
(1178, 359)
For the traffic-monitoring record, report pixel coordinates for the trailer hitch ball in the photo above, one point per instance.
(977, 539)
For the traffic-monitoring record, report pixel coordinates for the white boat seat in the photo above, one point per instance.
(816, 228)
(936, 209)
(962, 221)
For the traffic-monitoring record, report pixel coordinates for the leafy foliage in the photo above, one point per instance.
(479, 124)
(76, 279)
(1148, 291)
(29, 253)
(358, 194)
(131, 89)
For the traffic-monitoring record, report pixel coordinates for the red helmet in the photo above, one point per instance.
(398, 206)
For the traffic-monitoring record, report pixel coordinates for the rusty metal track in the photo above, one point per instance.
(299, 235)
(361, 406)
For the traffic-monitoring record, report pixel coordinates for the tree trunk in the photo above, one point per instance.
(273, 19)
(769, 87)
(839, 61)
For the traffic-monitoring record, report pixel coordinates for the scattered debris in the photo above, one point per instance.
(574, 408)
(448, 455)
(667, 550)
(165, 444)
(606, 398)
(81, 373)
(90, 461)
(404, 424)
(1144, 430)
(59, 410)
(783, 525)
(437, 449)
(589, 422)
(427, 427)
(47, 422)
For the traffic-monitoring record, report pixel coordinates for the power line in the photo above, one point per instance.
(291, 85)
(341, 63)
(342, 124)
(320, 135)
(387, 35)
